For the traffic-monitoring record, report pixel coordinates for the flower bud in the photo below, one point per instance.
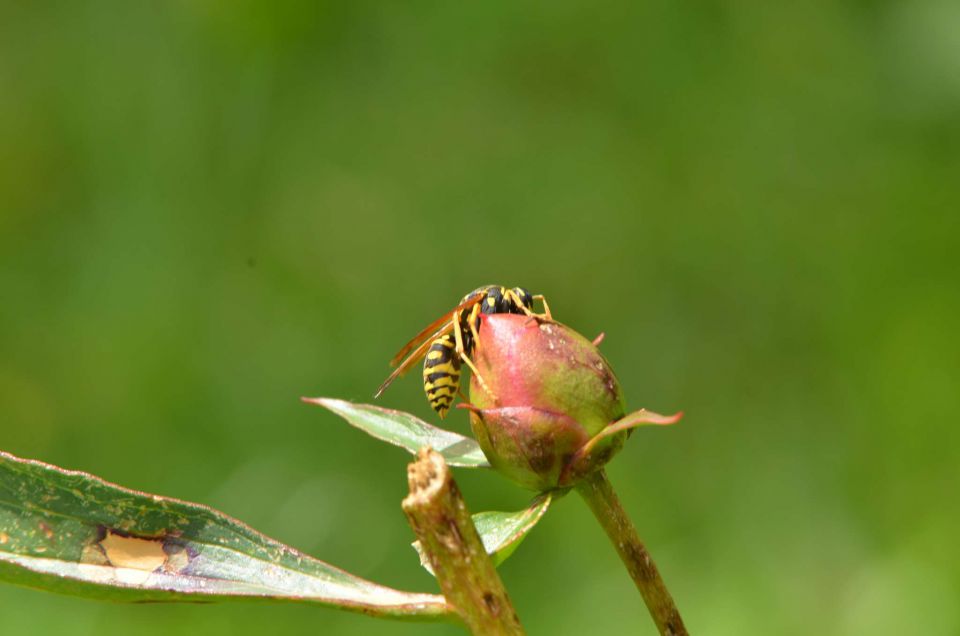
(547, 408)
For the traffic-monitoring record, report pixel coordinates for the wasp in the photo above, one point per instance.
(450, 340)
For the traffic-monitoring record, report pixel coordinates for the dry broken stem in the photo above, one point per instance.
(467, 576)
(603, 501)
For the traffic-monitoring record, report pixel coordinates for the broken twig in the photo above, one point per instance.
(467, 576)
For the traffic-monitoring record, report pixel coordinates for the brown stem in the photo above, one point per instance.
(605, 504)
(467, 576)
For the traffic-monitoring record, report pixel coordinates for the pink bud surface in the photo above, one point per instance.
(546, 392)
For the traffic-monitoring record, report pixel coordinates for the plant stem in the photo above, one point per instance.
(603, 501)
(467, 576)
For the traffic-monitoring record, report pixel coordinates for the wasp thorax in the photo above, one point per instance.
(546, 396)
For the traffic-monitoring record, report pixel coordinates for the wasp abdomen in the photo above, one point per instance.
(441, 373)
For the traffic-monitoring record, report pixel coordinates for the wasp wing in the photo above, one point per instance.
(412, 359)
(433, 330)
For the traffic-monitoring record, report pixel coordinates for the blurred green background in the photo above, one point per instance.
(209, 209)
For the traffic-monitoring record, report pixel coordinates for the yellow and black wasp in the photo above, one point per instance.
(450, 340)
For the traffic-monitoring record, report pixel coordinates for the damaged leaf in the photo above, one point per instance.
(502, 532)
(406, 431)
(70, 532)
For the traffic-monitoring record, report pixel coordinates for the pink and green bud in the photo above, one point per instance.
(549, 409)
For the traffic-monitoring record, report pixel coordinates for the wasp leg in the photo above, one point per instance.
(533, 316)
(474, 319)
(546, 307)
(527, 311)
(518, 302)
(458, 338)
(476, 374)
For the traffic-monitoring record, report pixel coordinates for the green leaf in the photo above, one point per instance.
(406, 431)
(71, 532)
(502, 532)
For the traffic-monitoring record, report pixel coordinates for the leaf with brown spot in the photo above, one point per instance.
(70, 532)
